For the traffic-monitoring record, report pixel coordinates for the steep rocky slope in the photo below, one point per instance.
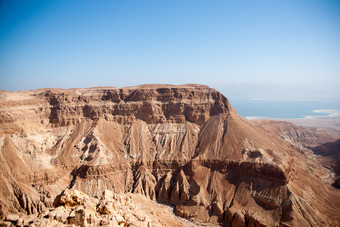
(331, 151)
(180, 145)
(308, 137)
(319, 144)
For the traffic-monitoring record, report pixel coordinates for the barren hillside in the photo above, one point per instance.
(180, 145)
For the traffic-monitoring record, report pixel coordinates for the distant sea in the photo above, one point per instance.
(249, 108)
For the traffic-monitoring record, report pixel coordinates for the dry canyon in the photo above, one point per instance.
(132, 156)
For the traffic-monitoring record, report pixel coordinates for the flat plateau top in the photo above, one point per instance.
(143, 86)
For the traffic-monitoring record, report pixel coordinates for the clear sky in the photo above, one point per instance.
(238, 46)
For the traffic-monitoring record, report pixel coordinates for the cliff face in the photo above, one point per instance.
(180, 145)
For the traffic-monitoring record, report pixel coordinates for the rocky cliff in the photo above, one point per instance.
(318, 144)
(179, 145)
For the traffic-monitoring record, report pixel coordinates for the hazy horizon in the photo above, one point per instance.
(246, 49)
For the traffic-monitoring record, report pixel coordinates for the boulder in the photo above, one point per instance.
(12, 217)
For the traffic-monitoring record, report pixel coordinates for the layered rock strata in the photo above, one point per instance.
(179, 145)
(321, 145)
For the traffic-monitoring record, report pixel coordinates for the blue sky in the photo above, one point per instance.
(279, 48)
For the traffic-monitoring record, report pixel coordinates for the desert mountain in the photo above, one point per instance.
(306, 137)
(179, 145)
(319, 144)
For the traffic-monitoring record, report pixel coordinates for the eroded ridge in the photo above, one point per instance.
(179, 145)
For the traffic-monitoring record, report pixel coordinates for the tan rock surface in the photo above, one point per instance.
(308, 137)
(318, 144)
(180, 145)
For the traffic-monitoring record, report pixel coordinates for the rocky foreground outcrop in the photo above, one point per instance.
(179, 145)
(74, 208)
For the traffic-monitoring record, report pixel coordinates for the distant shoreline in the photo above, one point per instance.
(331, 114)
(332, 121)
(276, 109)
